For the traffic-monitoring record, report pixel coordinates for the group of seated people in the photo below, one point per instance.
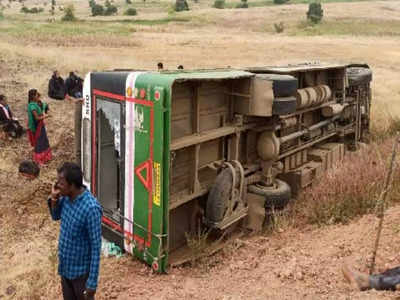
(10, 127)
(60, 89)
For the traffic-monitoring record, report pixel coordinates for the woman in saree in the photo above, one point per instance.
(36, 128)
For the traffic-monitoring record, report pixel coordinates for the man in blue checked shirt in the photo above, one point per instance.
(79, 244)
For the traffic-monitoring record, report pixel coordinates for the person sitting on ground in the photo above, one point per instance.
(160, 66)
(10, 125)
(388, 280)
(73, 85)
(57, 88)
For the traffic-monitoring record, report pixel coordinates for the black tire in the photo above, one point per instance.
(218, 197)
(276, 197)
(283, 85)
(284, 106)
(358, 75)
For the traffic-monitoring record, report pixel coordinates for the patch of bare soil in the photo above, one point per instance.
(27, 237)
(295, 264)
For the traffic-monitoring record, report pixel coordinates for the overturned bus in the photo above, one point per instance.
(170, 153)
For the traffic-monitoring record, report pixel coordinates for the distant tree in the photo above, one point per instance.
(97, 10)
(110, 9)
(53, 5)
(181, 5)
(69, 14)
(315, 12)
(128, 1)
(92, 3)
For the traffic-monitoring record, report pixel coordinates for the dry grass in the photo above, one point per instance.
(350, 189)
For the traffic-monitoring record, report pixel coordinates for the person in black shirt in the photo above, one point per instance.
(57, 89)
(73, 85)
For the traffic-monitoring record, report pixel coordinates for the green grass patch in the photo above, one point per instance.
(162, 21)
(352, 27)
(79, 28)
(262, 3)
(250, 3)
(325, 1)
(150, 4)
(62, 28)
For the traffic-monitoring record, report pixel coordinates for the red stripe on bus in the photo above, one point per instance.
(123, 98)
(140, 101)
(150, 175)
(118, 227)
(109, 95)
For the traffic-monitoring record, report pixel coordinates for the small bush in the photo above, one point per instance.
(33, 10)
(97, 10)
(280, 1)
(69, 15)
(110, 9)
(181, 5)
(242, 4)
(315, 12)
(279, 27)
(220, 4)
(197, 244)
(130, 12)
(128, 1)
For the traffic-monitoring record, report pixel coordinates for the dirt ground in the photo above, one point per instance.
(295, 263)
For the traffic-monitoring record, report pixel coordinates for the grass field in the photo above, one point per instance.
(351, 31)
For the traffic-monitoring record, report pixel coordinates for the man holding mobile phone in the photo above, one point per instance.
(79, 244)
